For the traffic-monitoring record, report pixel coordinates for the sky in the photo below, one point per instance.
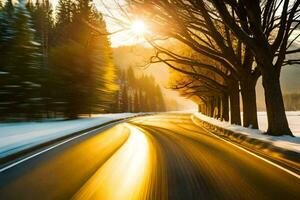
(110, 8)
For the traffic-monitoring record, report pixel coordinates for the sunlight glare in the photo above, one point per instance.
(125, 175)
(138, 27)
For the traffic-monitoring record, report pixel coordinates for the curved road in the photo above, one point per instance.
(154, 157)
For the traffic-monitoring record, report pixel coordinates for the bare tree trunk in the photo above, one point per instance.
(249, 103)
(277, 121)
(235, 112)
(225, 107)
(204, 108)
(201, 108)
(207, 108)
(219, 107)
(212, 106)
(214, 103)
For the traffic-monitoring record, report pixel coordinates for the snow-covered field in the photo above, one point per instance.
(288, 142)
(293, 119)
(15, 137)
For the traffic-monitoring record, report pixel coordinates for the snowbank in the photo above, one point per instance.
(286, 142)
(293, 119)
(15, 137)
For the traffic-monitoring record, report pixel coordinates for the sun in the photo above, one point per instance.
(138, 27)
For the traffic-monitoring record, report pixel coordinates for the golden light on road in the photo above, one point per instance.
(123, 176)
(138, 27)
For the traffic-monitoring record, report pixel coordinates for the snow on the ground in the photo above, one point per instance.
(293, 119)
(15, 137)
(287, 142)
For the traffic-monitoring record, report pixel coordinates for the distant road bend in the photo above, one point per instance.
(152, 157)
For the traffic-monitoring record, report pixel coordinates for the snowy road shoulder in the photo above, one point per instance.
(285, 142)
(16, 137)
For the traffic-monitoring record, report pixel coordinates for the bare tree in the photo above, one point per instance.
(205, 95)
(205, 79)
(265, 27)
(194, 25)
(248, 38)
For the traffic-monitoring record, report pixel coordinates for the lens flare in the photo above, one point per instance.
(138, 27)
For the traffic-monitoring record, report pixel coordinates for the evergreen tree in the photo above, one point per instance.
(7, 33)
(41, 13)
(95, 69)
(115, 105)
(140, 94)
(104, 74)
(20, 86)
(84, 10)
(42, 19)
(6, 20)
(160, 104)
(124, 95)
(24, 84)
(141, 101)
(136, 102)
(131, 77)
(72, 98)
(65, 12)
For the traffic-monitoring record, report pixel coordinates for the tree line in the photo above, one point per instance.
(228, 46)
(138, 94)
(54, 65)
(292, 101)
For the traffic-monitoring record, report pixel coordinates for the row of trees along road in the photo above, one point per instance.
(292, 101)
(138, 93)
(230, 45)
(50, 68)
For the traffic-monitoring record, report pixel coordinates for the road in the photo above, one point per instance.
(152, 157)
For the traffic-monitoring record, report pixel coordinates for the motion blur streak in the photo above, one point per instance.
(159, 157)
(59, 173)
(122, 176)
(196, 165)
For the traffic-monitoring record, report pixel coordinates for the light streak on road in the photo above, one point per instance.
(122, 176)
(156, 157)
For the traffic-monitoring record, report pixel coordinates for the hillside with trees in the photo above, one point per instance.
(137, 57)
(138, 93)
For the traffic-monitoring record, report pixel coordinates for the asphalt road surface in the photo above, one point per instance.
(153, 157)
